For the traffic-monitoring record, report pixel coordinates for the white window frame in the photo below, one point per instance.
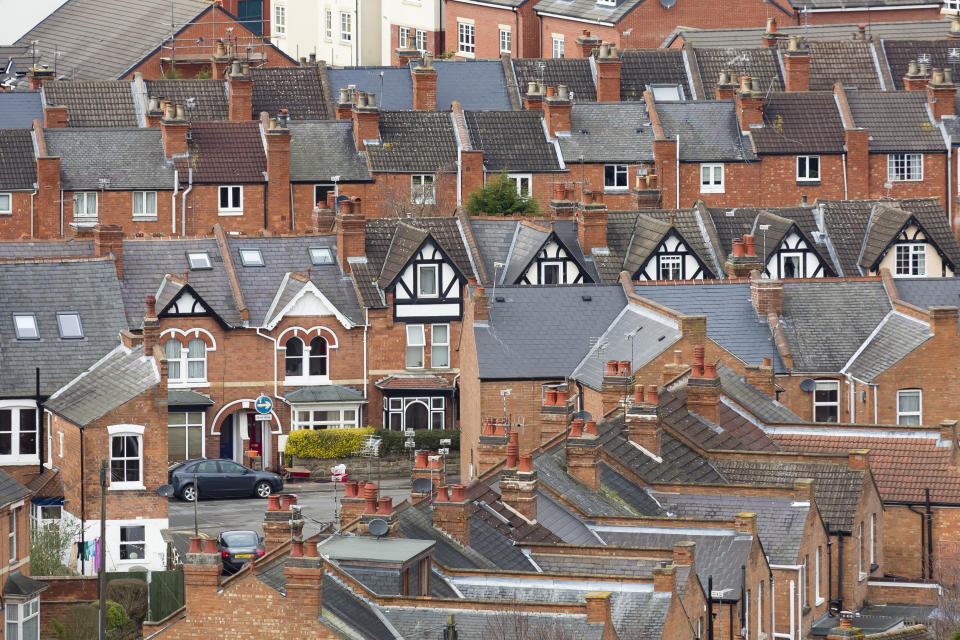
(328, 24)
(320, 256)
(666, 92)
(803, 169)
(303, 417)
(421, 40)
(816, 588)
(416, 339)
(234, 206)
(619, 171)
(83, 212)
(860, 551)
(551, 264)
(60, 434)
(466, 39)
(951, 5)
(672, 262)
(901, 414)
(558, 46)
(346, 26)
(759, 608)
(712, 185)
(522, 181)
(38, 514)
(396, 409)
(279, 20)
(191, 419)
(19, 327)
(121, 543)
(506, 40)
(12, 535)
(61, 318)
(251, 257)
(403, 37)
(435, 268)
(6, 203)
(746, 615)
(15, 618)
(183, 360)
(783, 261)
(607, 3)
(141, 200)
(916, 258)
(126, 431)
(834, 386)
(423, 188)
(873, 539)
(16, 457)
(436, 345)
(305, 357)
(903, 167)
(805, 582)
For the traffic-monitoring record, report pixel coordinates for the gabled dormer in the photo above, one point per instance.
(426, 283)
(297, 296)
(540, 256)
(177, 299)
(896, 240)
(659, 251)
(787, 251)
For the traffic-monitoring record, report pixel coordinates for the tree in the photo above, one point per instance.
(500, 197)
(49, 546)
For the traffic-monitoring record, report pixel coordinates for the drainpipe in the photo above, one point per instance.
(183, 207)
(32, 234)
(773, 607)
(710, 608)
(276, 393)
(61, 213)
(929, 533)
(743, 596)
(173, 201)
(678, 171)
(844, 158)
(293, 211)
(456, 393)
(829, 567)
(83, 512)
(366, 325)
(839, 571)
(923, 542)
(876, 420)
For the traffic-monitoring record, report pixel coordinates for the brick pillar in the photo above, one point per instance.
(304, 578)
(608, 74)
(351, 233)
(36, 76)
(941, 94)
(749, 101)
(173, 131)
(344, 107)
(54, 117)
(592, 229)
(796, 62)
(278, 171)
(425, 84)
(108, 240)
(452, 514)
(583, 460)
(240, 92)
(201, 573)
(519, 489)
(556, 109)
(857, 142)
(471, 172)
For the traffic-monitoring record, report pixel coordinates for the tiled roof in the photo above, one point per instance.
(818, 343)
(300, 90)
(766, 409)
(924, 292)
(493, 238)
(640, 68)
(106, 103)
(10, 490)
(46, 248)
(201, 99)
(422, 622)
(136, 29)
(573, 72)
(18, 109)
(513, 141)
(18, 165)
(734, 222)
(771, 230)
(903, 463)
(414, 382)
(653, 226)
(115, 379)
(225, 152)
(608, 132)
(731, 431)
(321, 150)
(751, 37)
(380, 237)
(476, 84)
(885, 223)
(895, 338)
(800, 122)
(896, 120)
(850, 63)
(324, 393)
(392, 85)
(552, 472)
(126, 158)
(515, 528)
(754, 61)
(708, 130)
(365, 279)
(414, 141)
(898, 54)
(587, 9)
(416, 522)
(914, 632)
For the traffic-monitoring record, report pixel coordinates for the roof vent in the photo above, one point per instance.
(586, 298)
(500, 299)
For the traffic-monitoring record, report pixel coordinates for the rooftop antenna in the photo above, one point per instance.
(370, 449)
(503, 394)
(540, 65)
(496, 265)
(338, 474)
(764, 228)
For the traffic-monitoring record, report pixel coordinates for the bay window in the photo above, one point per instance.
(22, 620)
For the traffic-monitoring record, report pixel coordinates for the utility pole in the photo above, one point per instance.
(103, 550)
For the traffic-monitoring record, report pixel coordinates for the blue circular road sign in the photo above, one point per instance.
(263, 404)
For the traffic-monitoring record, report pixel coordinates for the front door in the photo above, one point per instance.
(417, 416)
(226, 438)
(256, 434)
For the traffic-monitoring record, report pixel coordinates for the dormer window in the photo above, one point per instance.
(26, 326)
(321, 255)
(70, 327)
(427, 280)
(911, 260)
(251, 257)
(666, 92)
(199, 260)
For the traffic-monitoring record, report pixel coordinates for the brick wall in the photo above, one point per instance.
(902, 547)
(390, 197)
(116, 207)
(487, 34)
(779, 186)
(933, 185)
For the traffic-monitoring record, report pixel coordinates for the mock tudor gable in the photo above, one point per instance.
(787, 251)
(425, 282)
(671, 257)
(539, 256)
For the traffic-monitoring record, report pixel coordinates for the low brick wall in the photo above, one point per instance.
(390, 466)
(883, 591)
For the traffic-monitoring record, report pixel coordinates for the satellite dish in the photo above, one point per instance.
(165, 490)
(378, 527)
(808, 385)
(668, 3)
(421, 485)
(582, 414)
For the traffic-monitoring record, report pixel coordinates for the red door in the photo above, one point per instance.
(256, 434)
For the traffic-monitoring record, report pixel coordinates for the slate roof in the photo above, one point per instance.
(800, 122)
(136, 29)
(521, 338)
(201, 99)
(105, 103)
(753, 60)
(321, 150)
(527, 242)
(896, 120)
(18, 165)
(493, 238)
(118, 377)
(393, 89)
(735, 222)
(187, 398)
(414, 141)
(476, 84)
(300, 90)
(225, 152)
(640, 68)
(587, 9)
(732, 322)
(896, 337)
(416, 522)
(551, 470)
(419, 622)
(44, 288)
(836, 487)
(128, 158)
(898, 54)
(46, 249)
(751, 37)
(576, 73)
(763, 407)
(352, 610)
(885, 223)
(280, 257)
(653, 226)
(513, 141)
(380, 236)
(562, 522)
(18, 109)
(850, 62)
(708, 130)
(324, 393)
(817, 342)
(365, 280)
(608, 132)
(927, 292)
(731, 431)
(11, 490)
(780, 521)
(515, 528)
(779, 227)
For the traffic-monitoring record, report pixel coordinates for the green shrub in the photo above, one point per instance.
(326, 443)
(116, 614)
(500, 197)
(131, 594)
(392, 441)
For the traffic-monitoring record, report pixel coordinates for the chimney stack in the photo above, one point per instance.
(402, 56)
(452, 514)
(941, 93)
(954, 32)
(592, 228)
(917, 77)
(703, 389)
(685, 554)
(277, 135)
(151, 327)
(587, 43)
(608, 74)
(726, 85)
(583, 458)
(366, 119)
(345, 101)
(533, 98)
(425, 84)
(481, 304)
(796, 62)
(643, 420)
(518, 489)
(240, 91)
(665, 579)
(749, 103)
(761, 377)
(303, 572)
(803, 490)
(201, 572)
(173, 131)
(556, 110)
(949, 437)
(743, 260)
(36, 76)
(108, 241)
(598, 608)
(857, 458)
(771, 35)
(766, 295)
(746, 522)
(351, 233)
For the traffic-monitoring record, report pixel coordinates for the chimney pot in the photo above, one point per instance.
(526, 463)
(385, 507)
(591, 428)
(638, 394)
(442, 495)
(196, 545)
(458, 493)
(771, 25)
(550, 91)
(296, 549)
(210, 546)
(576, 428)
(350, 490)
(652, 396)
(749, 245)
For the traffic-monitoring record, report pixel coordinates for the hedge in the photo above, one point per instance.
(326, 443)
(422, 439)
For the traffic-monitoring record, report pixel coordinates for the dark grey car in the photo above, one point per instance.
(237, 548)
(219, 478)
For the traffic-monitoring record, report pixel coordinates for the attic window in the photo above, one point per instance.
(70, 327)
(26, 326)
(666, 92)
(607, 3)
(199, 260)
(321, 255)
(251, 257)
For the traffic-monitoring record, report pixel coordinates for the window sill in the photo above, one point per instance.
(306, 381)
(819, 601)
(152, 218)
(188, 384)
(616, 189)
(465, 54)
(126, 486)
(6, 213)
(720, 190)
(83, 224)
(230, 212)
(808, 183)
(19, 461)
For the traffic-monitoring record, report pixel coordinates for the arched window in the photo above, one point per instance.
(318, 357)
(173, 349)
(196, 359)
(294, 360)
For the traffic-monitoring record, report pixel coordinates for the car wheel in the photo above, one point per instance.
(263, 489)
(188, 493)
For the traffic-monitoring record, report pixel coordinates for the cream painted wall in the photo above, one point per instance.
(933, 261)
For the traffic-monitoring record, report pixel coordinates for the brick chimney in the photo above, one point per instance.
(451, 514)
(608, 74)
(803, 490)
(943, 321)
(518, 488)
(351, 232)
(761, 377)
(592, 228)
(54, 117)
(745, 522)
(846, 630)
(366, 119)
(949, 436)
(954, 32)
(48, 182)
(857, 458)
(771, 35)
(685, 554)
(643, 421)
(796, 62)
(766, 295)
(917, 76)
(201, 573)
(586, 43)
(345, 101)
(304, 578)
(403, 56)
(556, 110)
(583, 459)
(598, 608)
(743, 259)
(173, 131)
(703, 389)
(108, 241)
(352, 503)
(425, 84)
(726, 85)
(749, 102)
(481, 304)
(614, 385)
(151, 327)
(155, 111)
(240, 91)
(281, 521)
(36, 76)
(941, 93)
(665, 579)
(277, 135)
(219, 60)
(533, 98)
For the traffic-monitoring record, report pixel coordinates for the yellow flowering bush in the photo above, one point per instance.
(326, 443)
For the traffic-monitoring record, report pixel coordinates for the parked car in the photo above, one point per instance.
(237, 548)
(219, 478)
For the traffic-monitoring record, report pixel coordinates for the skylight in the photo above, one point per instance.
(199, 260)
(70, 327)
(251, 257)
(26, 326)
(321, 255)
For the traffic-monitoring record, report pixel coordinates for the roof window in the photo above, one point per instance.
(70, 326)
(199, 260)
(666, 92)
(26, 326)
(251, 257)
(321, 255)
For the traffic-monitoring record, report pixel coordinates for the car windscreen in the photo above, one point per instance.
(240, 539)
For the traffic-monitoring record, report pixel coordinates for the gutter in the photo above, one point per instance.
(572, 19)
(32, 234)
(173, 201)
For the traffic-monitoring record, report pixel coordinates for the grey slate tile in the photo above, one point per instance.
(320, 150)
(414, 142)
(105, 103)
(708, 130)
(608, 132)
(127, 158)
(898, 121)
(18, 109)
(513, 141)
(897, 336)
